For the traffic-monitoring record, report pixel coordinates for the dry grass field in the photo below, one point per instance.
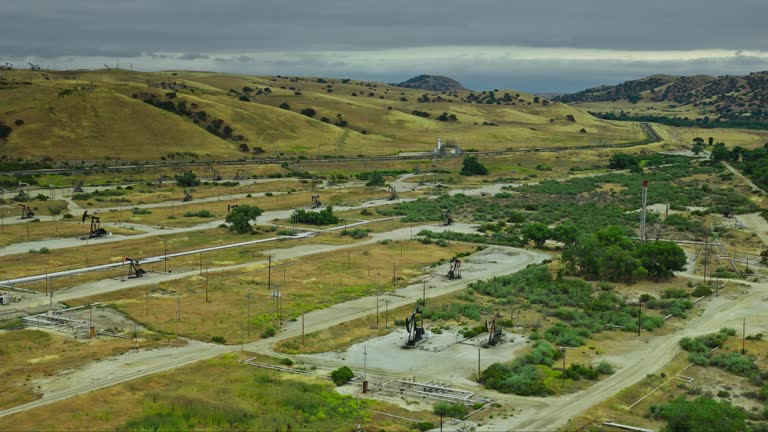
(98, 111)
(307, 284)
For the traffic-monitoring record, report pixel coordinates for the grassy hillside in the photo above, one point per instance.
(97, 115)
(727, 98)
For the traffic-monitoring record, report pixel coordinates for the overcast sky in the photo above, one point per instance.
(539, 45)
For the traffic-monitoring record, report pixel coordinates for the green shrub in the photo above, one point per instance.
(200, 214)
(450, 409)
(218, 339)
(342, 375)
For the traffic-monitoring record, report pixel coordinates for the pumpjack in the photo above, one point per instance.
(134, 268)
(316, 201)
(414, 329)
(240, 175)
(26, 212)
(187, 196)
(392, 193)
(495, 332)
(454, 272)
(231, 207)
(78, 187)
(447, 218)
(96, 229)
(728, 211)
(216, 176)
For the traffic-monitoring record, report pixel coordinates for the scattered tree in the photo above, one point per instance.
(309, 112)
(187, 179)
(472, 166)
(376, 179)
(241, 216)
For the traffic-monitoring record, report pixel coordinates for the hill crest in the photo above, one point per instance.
(432, 83)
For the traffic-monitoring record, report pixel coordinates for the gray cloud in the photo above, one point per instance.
(302, 35)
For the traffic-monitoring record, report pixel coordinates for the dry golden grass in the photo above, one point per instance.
(26, 355)
(17, 233)
(307, 284)
(210, 384)
(111, 124)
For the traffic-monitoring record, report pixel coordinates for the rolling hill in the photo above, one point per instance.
(724, 98)
(97, 115)
(432, 83)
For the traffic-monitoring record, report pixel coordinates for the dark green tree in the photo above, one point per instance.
(187, 179)
(472, 166)
(697, 148)
(309, 112)
(342, 375)
(376, 179)
(719, 153)
(538, 233)
(240, 218)
(661, 258)
(622, 161)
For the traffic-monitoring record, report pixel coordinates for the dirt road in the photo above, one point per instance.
(489, 262)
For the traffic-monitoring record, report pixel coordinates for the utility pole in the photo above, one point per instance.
(706, 254)
(206, 285)
(478, 364)
(201, 263)
(563, 385)
(377, 308)
(743, 335)
(302, 328)
(386, 314)
(165, 254)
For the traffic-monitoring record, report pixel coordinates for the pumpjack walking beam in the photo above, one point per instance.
(96, 229)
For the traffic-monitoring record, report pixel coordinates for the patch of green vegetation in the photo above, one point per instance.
(580, 308)
(322, 217)
(703, 414)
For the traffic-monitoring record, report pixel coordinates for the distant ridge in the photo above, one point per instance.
(432, 83)
(725, 97)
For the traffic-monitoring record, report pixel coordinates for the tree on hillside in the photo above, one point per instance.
(309, 112)
(4, 131)
(187, 179)
(285, 106)
(241, 216)
(472, 166)
(698, 140)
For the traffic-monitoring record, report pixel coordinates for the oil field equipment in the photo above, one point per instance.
(26, 212)
(187, 196)
(240, 175)
(134, 268)
(447, 218)
(414, 328)
(316, 201)
(231, 207)
(216, 176)
(96, 229)
(392, 193)
(727, 211)
(454, 271)
(495, 332)
(78, 188)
